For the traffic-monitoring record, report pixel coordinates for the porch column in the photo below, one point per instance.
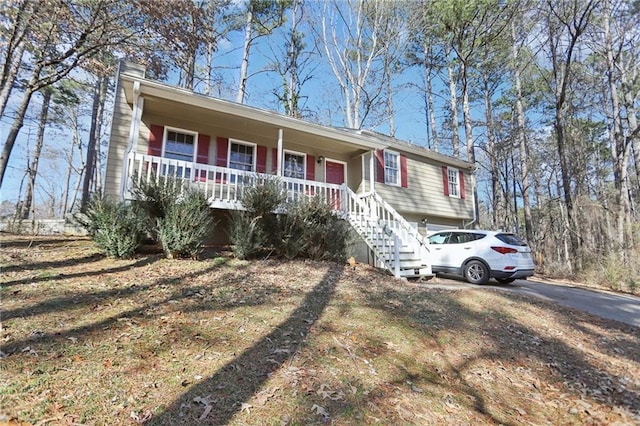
(134, 132)
(372, 170)
(280, 156)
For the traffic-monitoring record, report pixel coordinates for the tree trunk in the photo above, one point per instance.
(18, 122)
(521, 135)
(33, 168)
(99, 93)
(9, 79)
(244, 68)
(430, 105)
(491, 148)
(455, 141)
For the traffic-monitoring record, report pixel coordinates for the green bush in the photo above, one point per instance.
(252, 230)
(117, 227)
(264, 196)
(313, 229)
(184, 225)
(157, 194)
(247, 235)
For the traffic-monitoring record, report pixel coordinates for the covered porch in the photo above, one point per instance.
(224, 186)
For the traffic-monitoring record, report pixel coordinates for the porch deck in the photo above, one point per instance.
(224, 186)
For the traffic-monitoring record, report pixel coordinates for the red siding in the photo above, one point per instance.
(261, 160)
(403, 171)
(222, 151)
(445, 180)
(311, 167)
(380, 166)
(155, 140)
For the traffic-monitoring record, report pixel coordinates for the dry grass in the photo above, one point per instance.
(92, 340)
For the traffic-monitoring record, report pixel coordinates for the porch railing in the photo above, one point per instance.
(224, 186)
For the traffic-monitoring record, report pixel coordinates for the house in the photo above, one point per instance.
(389, 190)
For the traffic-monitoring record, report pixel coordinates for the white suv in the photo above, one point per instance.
(480, 255)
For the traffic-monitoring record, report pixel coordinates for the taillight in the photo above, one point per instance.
(505, 250)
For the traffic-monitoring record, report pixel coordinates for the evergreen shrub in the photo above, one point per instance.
(116, 227)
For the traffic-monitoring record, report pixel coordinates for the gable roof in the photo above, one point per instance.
(363, 139)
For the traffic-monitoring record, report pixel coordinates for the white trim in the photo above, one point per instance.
(194, 154)
(457, 174)
(241, 142)
(304, 161)
(384, 165)
(334, 161)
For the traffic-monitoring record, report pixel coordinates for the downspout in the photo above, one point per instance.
(473, 199)
(134, 130)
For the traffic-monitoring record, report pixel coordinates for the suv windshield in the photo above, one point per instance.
(510, 239)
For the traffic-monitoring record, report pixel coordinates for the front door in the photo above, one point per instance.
(334, 173)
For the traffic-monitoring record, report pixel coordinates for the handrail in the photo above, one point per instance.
(226, 185)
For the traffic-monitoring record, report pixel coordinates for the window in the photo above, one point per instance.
(454, 183)
(391, 168)
(241, 156)
(179, 146)
(294, 164)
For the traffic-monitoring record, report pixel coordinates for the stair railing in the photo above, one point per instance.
(387, 214)
(359, 214)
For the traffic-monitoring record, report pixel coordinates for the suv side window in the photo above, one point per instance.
(439, 238)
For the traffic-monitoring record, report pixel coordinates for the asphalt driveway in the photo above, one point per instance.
(605, 304)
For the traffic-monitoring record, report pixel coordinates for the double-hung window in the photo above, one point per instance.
(454, 182)
(391, 168)
(179, 145)
(242, 156)
(294, 164)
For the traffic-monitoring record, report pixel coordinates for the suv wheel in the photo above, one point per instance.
(476, 272)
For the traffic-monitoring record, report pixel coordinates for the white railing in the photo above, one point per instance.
(387, 215)
(223, 186)
(387, 253)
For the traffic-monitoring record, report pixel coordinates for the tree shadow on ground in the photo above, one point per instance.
(431, 310)
(143, 261)
(236, 382)
(54, 264)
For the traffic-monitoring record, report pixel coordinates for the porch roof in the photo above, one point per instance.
(198, 107)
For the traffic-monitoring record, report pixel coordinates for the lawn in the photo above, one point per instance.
(92, 340)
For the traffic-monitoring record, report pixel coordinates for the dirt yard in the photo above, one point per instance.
(91, 340)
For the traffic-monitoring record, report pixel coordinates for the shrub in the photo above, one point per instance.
(117, 227)
(247, 235)
(157, 194)
(311, 229)
(184, 225)
(252, 231)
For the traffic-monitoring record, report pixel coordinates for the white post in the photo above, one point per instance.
(372, 178)
(280, 153)
(396, 256)
(134, 131)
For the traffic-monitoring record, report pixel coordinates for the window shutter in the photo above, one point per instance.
(311, 167)
(203, 149)
(445, 180)
(261, 160)
(403, 171)
(274, 160)
(222, 151)
(380, 166)
(156, 134)
(461, 180)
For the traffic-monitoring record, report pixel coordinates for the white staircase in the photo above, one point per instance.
(397, 246)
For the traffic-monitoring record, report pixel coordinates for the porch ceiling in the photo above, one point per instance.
(240, 121)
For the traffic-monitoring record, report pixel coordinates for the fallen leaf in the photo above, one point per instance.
(319, 410)
(246, 407)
